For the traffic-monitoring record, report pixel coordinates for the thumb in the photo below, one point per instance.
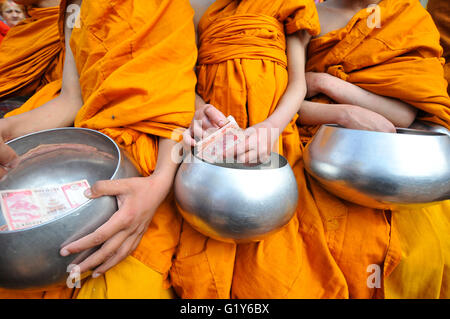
(215, 116)
(105, 188)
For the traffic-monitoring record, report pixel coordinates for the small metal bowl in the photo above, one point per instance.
(236, 203)
(30, 257)
(410, 169)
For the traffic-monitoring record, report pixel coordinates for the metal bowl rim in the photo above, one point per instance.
(218, 166)
(398, 129)
(72, 211)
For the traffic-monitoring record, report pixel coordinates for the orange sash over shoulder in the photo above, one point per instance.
(402, 59)
(32, 54)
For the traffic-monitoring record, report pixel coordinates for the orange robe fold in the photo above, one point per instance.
(136, 65)
(32, 54)
(402, 60)
(247, 81)
(395, 60)
(440, 11)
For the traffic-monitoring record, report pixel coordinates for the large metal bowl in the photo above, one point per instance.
(236, 203)
(407, 169)
(30, 257)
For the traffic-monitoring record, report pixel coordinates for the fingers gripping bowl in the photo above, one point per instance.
(30, 257)
(236, 203)
(410, 169)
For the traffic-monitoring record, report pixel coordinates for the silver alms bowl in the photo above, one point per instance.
(30, 257)
(407, 169)
(236, 203)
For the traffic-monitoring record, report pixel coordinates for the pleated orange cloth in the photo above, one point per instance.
(402, 60)
(32, 54)
(136, 64)
(242, 71)
(439, 10)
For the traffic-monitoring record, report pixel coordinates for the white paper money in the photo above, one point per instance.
(24, 208)
(213, 147)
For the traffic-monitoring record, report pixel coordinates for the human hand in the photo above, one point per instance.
(121, 234)
(257, 145)
(356, 117)
(205, 118)
(8, 157)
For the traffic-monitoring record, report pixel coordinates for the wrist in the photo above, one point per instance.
(164, 178)
(343, 115)
(6, 131)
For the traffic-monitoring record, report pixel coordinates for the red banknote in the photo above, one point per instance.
(25, 208)
(214, 147)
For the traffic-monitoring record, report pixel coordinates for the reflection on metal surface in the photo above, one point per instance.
(409, 169)
(235, 203)
(30, 257)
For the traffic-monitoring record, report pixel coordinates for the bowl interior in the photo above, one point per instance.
(276, 161)
(59, 156)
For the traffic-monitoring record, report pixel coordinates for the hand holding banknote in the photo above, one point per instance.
(257, 145)
(206, 119)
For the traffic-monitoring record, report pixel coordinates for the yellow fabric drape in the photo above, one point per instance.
(439, 10)
(402, 59)
(136, 66)
(32, 54)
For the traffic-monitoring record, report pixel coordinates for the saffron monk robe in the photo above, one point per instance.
(243, 70)
(381, 68)
(439, 10)
(32, 54)
(128, 73)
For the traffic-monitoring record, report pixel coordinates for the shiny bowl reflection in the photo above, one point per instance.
(30, 257)
(409, 169)
(236, 203)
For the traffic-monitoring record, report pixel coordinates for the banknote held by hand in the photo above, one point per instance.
(214, 147)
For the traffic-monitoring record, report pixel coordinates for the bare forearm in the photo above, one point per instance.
(399, 113)
(59, 112)
(292, 99)
(166, 167)
(312, 113)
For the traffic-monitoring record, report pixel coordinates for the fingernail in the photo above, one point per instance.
(64, 252)
(220, 123)
(96, 275)
(88, 193)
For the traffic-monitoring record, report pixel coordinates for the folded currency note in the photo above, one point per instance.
(213, 147)
(23, 208)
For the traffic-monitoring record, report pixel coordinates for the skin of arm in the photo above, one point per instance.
(261, 138)
(59, 112)
(291, 101)
(345, 115)
(399, 113)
